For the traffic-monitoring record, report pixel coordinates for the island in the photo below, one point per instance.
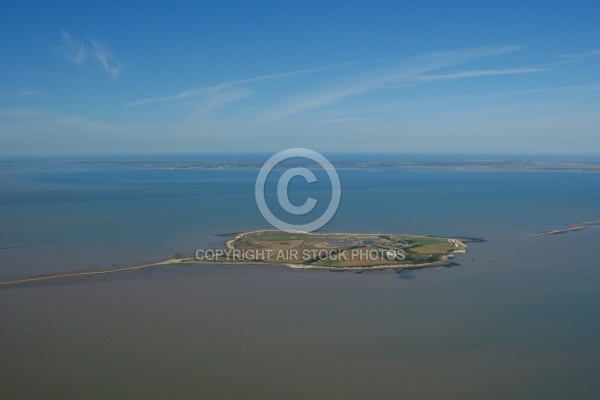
(333, 250)
(325, 251)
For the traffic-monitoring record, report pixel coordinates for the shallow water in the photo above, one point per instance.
(523, 325)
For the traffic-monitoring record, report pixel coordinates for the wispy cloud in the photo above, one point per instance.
(212, 90)
(27, 93)
(586, 55)
(19, 113)
(23, 93)
(422, 107)
(475, 74)
(409, 72)
(111, 64)
(78, 52)
(72, 49)
(221, 99)
(417, 70)
(179, 96)
(44, 121)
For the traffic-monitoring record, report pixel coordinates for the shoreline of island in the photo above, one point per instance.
(459, 247)
(192, 261)
(457, 243)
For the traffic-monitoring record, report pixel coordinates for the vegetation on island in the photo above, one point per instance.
(337, 250)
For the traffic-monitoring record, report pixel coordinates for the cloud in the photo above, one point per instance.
(19, 113)
(474, 74)
(210, 90)
(27, 93)
(111, 64)
(179, 96)
(571, 58)
(73, 50)
(77, 52)
(221, 99)
(213, 98)
(412, 71)
(23, 93)
(420, 69)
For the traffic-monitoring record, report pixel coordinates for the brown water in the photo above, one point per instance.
(524, 325)
(271, 332)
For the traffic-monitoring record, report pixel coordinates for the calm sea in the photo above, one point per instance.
(518, 319)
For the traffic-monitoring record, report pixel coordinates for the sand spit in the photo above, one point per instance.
(572, 228)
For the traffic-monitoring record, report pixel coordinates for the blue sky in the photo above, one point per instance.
(337, 76)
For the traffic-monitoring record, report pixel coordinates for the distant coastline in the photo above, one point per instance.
(447, 164)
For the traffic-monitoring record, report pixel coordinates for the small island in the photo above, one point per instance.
(333, 250)
(325, 251)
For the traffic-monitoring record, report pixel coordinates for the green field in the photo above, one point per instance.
(339, 250)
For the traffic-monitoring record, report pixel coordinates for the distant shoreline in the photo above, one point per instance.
(492, 164)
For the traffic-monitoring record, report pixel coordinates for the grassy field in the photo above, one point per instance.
(344, 250)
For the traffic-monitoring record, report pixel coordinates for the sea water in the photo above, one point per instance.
(518, 318)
